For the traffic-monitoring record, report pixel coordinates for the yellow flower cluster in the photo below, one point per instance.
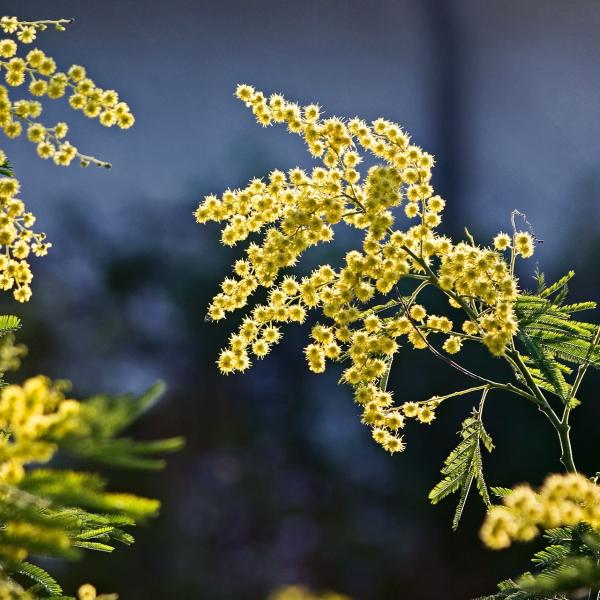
(566, 499)
(423, 411)
(40, 73)
(17, 241)
(29, 415)
(17, 117)
(299, 592)
(290, 212)
(482, 277)
(26, 31)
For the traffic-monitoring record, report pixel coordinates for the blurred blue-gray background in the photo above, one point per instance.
(279, 482)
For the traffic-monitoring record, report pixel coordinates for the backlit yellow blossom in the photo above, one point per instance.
(502, 241)
(452, 345)
(29, 415)
(43, 79)
(17, 241)
(8, 48)
(524, 244)
(566, 499)
(21, 116)
(425, 414)
(364, 318)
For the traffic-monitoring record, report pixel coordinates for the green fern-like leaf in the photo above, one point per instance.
(500, 492)
(9, 324)
(579, 306)
(558, 286)
(550, 555)
(40, 576)
(99, 547)
(6, 169)
(465, 465)
(86, 491)
(103, 417)
(550, 376)
(550, 337)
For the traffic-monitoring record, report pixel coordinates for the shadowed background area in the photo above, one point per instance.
(279, 482)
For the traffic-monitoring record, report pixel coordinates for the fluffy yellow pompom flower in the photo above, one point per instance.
(502, 241)
(8, 48)
(453, 344)
(524, 244)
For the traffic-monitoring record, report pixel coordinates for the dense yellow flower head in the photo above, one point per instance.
(17, 241)
(39, 74)
(365, 318)
(30, 415)
(484, 275)
(566, 499)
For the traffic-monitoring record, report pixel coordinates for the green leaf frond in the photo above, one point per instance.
(40, 577)
(500, 492)
(71, 488)
(550, 337)
(6, 168)
(558, 287)
(464, 464)
(9, 324)
(103, 417)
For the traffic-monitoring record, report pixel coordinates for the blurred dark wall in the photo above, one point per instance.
(279, 481)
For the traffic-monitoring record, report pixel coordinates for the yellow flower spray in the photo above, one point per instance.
(38, 74)
(398, 214)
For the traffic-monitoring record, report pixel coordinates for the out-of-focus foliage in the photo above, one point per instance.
(568, 567)
(61, 512)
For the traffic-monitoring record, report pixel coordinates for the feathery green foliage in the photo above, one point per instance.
(464, 464)
(103, 417)
(9, 324)
(551, 337)
(62, 513)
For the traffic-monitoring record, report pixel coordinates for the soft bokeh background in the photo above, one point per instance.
(279, 481)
